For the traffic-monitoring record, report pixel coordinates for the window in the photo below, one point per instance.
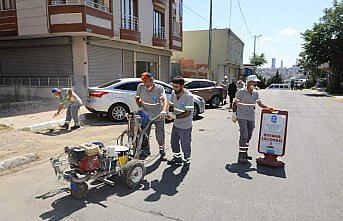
(192, 85)
(176, 22)
(168, 90)
(130, 86)
(7, 5)
(159, 31)
(107, 84)
(129, 14)
(204, 84)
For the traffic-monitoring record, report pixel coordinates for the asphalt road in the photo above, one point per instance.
(216, 187)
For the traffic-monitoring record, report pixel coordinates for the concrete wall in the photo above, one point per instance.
(22, 93)
(80, 66)
(146, 21)
(32, 17)
(225, 49)
(116, 18)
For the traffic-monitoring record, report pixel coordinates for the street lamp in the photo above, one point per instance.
(255, 37)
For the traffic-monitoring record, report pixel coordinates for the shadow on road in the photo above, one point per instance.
(56, 132)
(67, 205)
(316, 95)
(275, 172)
(167, 185)
(91, 119)
(242, 170)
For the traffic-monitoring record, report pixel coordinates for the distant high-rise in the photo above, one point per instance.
(273, 62)
(281, 64)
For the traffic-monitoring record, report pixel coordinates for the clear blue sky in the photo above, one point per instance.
(279, 21)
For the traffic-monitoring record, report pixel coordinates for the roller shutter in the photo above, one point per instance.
(37, 61)
(104, 64)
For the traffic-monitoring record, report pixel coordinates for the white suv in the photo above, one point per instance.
(116, 98)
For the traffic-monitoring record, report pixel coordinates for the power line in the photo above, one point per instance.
(197, 14)
(245, 22)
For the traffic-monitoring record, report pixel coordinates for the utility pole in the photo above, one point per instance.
(254, 56)
(210, 43)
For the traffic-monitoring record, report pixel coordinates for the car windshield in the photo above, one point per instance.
(108, 84)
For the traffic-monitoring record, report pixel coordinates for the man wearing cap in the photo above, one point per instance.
(232, 91)
(152, 99)
(246, 99)
(225, 85)
(70, 100)
(182, 107)
(240, 83)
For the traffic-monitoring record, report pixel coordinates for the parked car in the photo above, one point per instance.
(116, 98)
(279, 86)
(208, 90)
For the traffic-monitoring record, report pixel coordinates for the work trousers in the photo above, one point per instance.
(246, 128)
(183, 137)
(73, 113)
(159, 133)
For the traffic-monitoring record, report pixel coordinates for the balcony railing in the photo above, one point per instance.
(81, 2)
(159, 32)
(177, 34)
(36, 81)
(129, 22)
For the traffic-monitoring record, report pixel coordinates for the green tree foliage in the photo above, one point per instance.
(259, 60)
(276, 79)
(324, 44)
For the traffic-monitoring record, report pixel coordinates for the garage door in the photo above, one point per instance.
(36, 61)
(104, 64)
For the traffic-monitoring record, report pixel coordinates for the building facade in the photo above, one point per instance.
(227, 52)
(84, 43)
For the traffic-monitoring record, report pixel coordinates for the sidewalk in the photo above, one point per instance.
(326, 94)
(15, 143)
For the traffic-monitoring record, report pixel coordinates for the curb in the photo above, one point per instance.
(17, 161)
(43, 126)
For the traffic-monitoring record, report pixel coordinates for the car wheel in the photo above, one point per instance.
(118, 112)
(215, 101)
(196, 110)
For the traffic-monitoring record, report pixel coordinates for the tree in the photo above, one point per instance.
(276, 79)
(259, 60)
(324, 44)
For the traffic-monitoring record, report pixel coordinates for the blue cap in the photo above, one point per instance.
(54, 90)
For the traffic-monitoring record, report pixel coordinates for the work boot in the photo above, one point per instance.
(65, 126)
(242, 157)
(163, 154)
(144, 154)
(185, 167)
(175, 161)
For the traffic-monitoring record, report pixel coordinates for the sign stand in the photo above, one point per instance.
(272, 137)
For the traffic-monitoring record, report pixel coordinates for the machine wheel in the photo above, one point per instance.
(79, 190)
(133, 173)
(215, 101)
(117, 112)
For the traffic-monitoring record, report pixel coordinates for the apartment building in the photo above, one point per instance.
(227, 53)
(84, 43)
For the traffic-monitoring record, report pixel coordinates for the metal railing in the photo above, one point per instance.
(88, 3)
(36, 81)
(129, 22)
(177, 34)
(159, 32)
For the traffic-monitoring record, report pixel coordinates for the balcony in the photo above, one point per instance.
(161, 3)
(8, 23)
(80, 16)
(130, 28)
(159, 37)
